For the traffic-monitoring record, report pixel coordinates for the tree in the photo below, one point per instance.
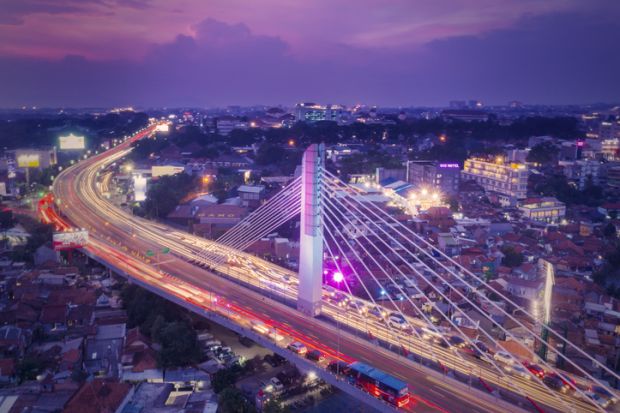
(609, 231)
(165, 194)
(6, 218)
(274, 406)
(543, 153)
(179, 345)
(231, 400)
(225, 378)
(511, 257)
(28, 369)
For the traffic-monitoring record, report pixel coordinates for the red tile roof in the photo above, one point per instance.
(98, 396)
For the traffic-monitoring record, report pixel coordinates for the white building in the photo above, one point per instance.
(547, 209)
(505, 178)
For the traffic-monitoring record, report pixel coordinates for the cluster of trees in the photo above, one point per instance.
(165, 323)
(511, 257)
(165, 194)
(557, 185)
(608, 275)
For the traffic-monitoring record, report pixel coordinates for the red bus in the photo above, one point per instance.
(380, 384)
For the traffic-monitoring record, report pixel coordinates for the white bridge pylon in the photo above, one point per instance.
(311, 232)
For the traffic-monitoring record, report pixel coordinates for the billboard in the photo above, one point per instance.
(71, 143)
(70, 240)
(163, 170)
(139, 188)
(162, 127)
(29, 160)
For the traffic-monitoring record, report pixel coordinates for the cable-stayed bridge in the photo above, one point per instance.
(373, 262)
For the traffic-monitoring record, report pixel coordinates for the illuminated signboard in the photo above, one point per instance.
(71, 143)
(70, 240)
(28, 160)
(139, 188)
(162, 127)
(449, 165)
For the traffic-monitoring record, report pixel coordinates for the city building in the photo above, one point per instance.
(465, 115)
(227, 124)
(312, 112)
(609, 130)
(442, 176)
(610, 149)
(547, 209)
(509, 179)
(251, 195)
(583, 171)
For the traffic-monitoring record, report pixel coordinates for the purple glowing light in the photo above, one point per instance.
(338, 277)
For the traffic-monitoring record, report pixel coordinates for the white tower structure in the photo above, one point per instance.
(311, 232)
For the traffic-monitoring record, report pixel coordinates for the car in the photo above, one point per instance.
(431, 333)
(555, 382)
(378, 312)
(518, 370)
(504, 357)
(470, 350)
(397, 321)
(569, 383)
(357, 306)
(596, 398)
(274, 386)
(298, 348)
(338, 367)
(315, 355)
(604, 393)
(456, 341)
(482, 346)
(535, 369)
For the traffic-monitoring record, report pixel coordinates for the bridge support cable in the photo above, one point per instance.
(287, 197)
(388, 276)
(481, 311)
(289, 193)
(386, 218)
(269, 216)
(484, 313)
(339, 267)
(513, 384)
(391, 330)
(280, 213)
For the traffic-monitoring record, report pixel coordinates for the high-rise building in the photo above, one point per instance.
(442, 176)
(584, 171)
(506, 178)
(312, 112)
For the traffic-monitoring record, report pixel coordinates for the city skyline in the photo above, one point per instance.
(150, 53)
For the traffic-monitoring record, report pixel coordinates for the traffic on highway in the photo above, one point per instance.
(356, 339)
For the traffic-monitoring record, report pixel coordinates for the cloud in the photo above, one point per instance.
(557, 58)
(15, 11)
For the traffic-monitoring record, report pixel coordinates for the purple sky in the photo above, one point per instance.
(384, 52)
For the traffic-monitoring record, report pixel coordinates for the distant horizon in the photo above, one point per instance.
(282, 105)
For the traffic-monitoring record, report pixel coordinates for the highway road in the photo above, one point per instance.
(124, 239)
